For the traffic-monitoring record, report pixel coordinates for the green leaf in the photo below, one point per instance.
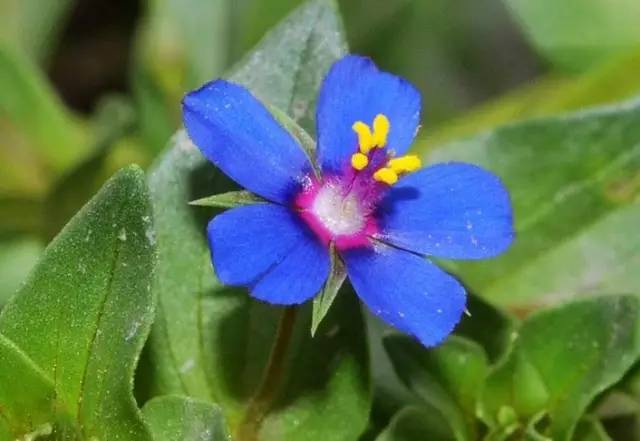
(414, 423)
(574, 184)
(576, 34)
(323, 301)
(85, 310)
(32, 27)
(561, 360)
(447, 378)
(181, 44)
(38, 136)
(229, 199)
(176, 418)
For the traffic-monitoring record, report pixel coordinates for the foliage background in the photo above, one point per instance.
(543, 93)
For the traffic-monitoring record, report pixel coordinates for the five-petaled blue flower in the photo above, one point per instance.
(382, 212)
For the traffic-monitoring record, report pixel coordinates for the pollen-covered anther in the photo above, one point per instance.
(386, 175)
(359, 161)
(369, 139)
(405, 164)
(381, 127)
(365, 137)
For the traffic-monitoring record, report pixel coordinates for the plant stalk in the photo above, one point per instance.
(260, 403)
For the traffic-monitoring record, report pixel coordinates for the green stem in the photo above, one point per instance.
(266, 392)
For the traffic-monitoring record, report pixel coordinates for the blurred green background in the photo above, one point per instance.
(87, 86)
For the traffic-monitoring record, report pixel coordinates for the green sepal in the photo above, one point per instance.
(229, 199)
(306, 141)
(323, 301)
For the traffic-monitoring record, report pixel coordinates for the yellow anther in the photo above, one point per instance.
(381, 128)
(365, 137)
(386, 175)
(405, 164)
(359, 161)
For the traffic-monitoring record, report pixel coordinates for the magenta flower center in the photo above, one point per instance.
(338, 211)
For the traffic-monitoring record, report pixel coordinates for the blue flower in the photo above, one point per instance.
(383, 213)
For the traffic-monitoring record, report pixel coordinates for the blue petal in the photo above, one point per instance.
(355, 90)
(450, 210)
(266, 248)
(237, 133)
(407, 291)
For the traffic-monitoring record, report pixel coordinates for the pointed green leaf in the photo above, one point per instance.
(85, 310)
(323, 301)
(229, 199)
(176, 418)
(447, 378)
(561, 360)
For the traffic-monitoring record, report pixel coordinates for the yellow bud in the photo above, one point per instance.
(386, 175)
(359, 161)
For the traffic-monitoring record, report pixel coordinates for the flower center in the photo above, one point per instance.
(336, 211)
(340, 209)
(341, 214)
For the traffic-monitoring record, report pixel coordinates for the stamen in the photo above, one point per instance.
(359, 161)
(365, 137)
(381, 128)
(386, 175)
(405, 164)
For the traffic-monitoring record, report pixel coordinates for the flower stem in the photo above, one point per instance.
(260, 403)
